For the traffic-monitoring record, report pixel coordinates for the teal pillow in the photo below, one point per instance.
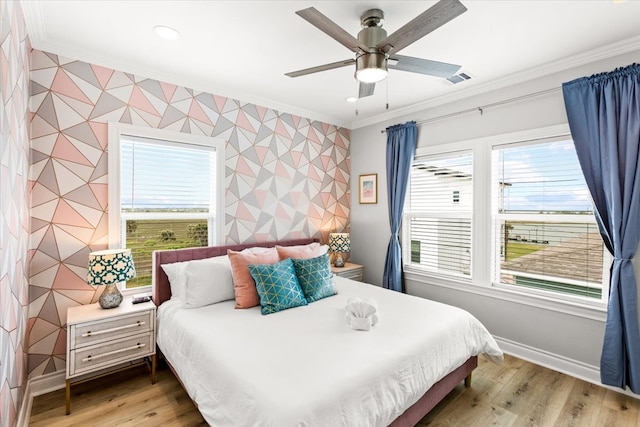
(277, 286)
(315, 277)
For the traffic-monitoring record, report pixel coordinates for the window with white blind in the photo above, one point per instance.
(164, 193)
(510, 212)
(438, 214)
(546, 235)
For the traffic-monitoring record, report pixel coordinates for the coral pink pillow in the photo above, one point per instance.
(312, 250)
(243, 284)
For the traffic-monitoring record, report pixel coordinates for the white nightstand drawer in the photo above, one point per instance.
(88, 359)
(89, 333)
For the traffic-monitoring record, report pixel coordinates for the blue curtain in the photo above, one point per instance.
(401, 146)
(604, 117)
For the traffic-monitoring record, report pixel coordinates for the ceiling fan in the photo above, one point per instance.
(375, 52)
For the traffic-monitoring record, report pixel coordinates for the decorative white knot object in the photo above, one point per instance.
(361, 313)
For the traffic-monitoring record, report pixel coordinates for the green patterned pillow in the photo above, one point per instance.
(277, 286)
(315, 277)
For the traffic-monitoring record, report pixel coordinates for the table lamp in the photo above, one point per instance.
(108, 268)
(339, 243)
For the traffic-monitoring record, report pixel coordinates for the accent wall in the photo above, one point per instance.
(286, 176)
(14, 208)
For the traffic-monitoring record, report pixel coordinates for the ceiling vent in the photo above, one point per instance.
(460, 77)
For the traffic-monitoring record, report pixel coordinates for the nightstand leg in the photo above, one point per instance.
(68, 396)
(154, 362)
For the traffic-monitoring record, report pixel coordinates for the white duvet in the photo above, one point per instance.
(306, 367)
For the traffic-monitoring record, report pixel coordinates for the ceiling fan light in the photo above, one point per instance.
(371, 68)
(371, 75)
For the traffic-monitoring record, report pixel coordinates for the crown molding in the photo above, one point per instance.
(604, 52)
(33, 20)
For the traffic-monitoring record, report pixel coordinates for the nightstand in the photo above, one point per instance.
(102, 341)
(350, 271)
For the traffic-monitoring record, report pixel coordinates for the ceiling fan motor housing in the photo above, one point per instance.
(372, 32)
(371, 66)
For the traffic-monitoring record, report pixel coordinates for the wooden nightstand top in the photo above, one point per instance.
(347, 267)
(350, 271)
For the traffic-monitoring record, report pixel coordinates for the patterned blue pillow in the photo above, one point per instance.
(277, 286)
(315, 277)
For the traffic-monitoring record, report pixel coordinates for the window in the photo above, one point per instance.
(439, 226)
(511, 212)
(164, 193)
(547, 237)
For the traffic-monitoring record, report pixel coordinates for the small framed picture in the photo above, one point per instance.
(368, 188)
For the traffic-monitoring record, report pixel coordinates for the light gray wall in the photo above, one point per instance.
(546, 336)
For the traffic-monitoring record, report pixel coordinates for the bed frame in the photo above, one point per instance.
(410, 417)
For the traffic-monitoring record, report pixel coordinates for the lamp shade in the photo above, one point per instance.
(339, 242)
(110, 266)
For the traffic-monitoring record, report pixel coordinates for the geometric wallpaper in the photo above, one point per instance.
(14, 208)
(285, 176)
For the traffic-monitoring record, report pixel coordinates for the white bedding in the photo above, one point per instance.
(306, 367)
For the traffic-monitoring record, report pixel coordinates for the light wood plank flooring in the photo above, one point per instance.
(517, 393)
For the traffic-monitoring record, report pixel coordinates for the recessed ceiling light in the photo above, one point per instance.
(351, 99)
(166, 33)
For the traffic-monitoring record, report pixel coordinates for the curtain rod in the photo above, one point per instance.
(484, 107)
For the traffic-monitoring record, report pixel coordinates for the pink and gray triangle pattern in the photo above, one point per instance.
(286, 176)
(14, 208)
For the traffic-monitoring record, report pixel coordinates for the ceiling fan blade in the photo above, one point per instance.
(423, 66)
(319, 68)
(429, 20)
(333, 30)
(366, 89)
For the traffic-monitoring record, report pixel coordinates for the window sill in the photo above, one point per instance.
(126, 292)
(596, 311)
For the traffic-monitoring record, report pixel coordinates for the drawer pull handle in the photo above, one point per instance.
(119, 328)
(91, 358)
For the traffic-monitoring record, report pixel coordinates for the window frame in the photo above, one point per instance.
(116, 131)
(455, 212)
(483, 229)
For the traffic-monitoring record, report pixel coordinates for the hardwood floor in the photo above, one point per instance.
(517, 393)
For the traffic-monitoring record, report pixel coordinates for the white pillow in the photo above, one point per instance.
(208, 283)
(177, 277)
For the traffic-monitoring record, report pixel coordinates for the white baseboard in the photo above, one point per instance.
(574, 368)
(35, 387)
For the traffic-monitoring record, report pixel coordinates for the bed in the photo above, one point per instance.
(305, 366)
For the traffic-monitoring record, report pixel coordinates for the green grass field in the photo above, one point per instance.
(518, 249)
(146, 236)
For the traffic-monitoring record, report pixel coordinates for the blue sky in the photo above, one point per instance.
(542, 177)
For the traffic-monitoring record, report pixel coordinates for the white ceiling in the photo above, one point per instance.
(241, 49)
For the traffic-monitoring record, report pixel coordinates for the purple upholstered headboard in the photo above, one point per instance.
(161, 288)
